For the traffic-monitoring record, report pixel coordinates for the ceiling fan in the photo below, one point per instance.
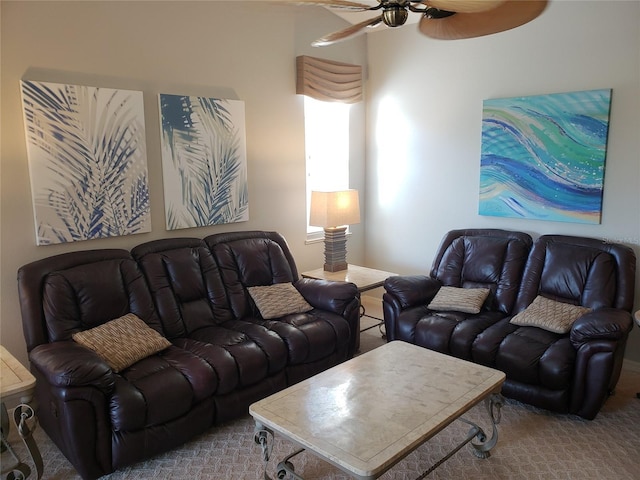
(442, 19)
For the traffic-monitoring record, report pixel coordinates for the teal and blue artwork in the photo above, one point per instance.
(204, 161)
(87, 155)
(543, 157)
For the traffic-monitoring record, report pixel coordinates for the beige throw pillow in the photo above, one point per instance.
(278, 300)
(466, 300)
(123, 341)
(557, 317)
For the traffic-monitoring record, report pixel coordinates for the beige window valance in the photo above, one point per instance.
(328, 80)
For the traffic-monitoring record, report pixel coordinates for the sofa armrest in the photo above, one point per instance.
(412, 290)
(67, 364)
(599, 338)
(601, 324)
(332, 296)
(73, 392)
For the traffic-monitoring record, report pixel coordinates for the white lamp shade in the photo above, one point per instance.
(334, 209)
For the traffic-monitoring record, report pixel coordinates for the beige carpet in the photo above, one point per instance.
(533, 444)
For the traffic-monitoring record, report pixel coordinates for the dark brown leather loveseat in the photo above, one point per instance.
(570, 372)
(223, 355)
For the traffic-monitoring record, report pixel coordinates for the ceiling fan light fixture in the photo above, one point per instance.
(395, 16)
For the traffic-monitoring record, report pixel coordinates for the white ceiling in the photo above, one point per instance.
(351, 17)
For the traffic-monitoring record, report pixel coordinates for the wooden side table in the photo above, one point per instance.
(17, 385)
(364, 278)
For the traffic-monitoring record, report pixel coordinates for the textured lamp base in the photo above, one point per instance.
(335, 249)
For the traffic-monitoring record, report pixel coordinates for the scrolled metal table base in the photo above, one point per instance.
(261, 437)
(481, 448)
(25, 420)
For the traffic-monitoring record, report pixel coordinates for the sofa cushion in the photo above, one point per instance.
(248, 261)
(557, 317)
(535, 356)
(185, 283)
(161, 389)
(255, 352)
(83, 292)
(278, 300)
(484, 258)
(123, 341)
(467, 300)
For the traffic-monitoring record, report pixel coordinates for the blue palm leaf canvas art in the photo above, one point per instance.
(87, 161)
(204, 161)
(543, 157)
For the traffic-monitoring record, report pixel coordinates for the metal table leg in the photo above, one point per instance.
(483, 448)
(261, 437)
(25, 421)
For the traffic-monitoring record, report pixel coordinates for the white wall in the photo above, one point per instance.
(236, 50)
(423, 163)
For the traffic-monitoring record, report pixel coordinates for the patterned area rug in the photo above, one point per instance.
(533, 444)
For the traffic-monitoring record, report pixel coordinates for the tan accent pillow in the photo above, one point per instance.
(278, 300)
(123, 341)
(557, 317)
(466, 300)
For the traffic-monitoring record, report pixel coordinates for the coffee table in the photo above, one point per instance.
(365, 415)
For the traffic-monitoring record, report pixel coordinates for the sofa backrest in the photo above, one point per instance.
(484, 258)
(185, 284)
(71, 292)
(248, 259)
(578, 270)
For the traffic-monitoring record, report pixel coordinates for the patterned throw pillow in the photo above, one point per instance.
(278, 300)
(557, 317)
(123, 341)
(466, 300)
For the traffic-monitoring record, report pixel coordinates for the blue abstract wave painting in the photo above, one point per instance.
(543, 157)
(204, 161)
(87, 155)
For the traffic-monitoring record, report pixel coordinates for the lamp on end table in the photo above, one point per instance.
(334, 211)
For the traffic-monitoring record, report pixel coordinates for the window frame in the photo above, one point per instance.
(327, 135)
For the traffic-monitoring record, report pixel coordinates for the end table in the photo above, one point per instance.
(363, 277)
(17, 384)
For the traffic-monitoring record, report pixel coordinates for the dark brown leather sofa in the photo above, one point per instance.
(572, 372)
(223, 354)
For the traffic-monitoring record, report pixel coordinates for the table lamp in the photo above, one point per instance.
(334, 211)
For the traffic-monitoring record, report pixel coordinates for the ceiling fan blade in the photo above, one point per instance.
(464, 6)
(341, 4)
(348, 32)
(509, 15)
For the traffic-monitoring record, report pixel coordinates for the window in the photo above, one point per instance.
(326, 127)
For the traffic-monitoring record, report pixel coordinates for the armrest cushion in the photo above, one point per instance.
(601, 324)
(412, 290)
(327, 295)
(68, 364)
